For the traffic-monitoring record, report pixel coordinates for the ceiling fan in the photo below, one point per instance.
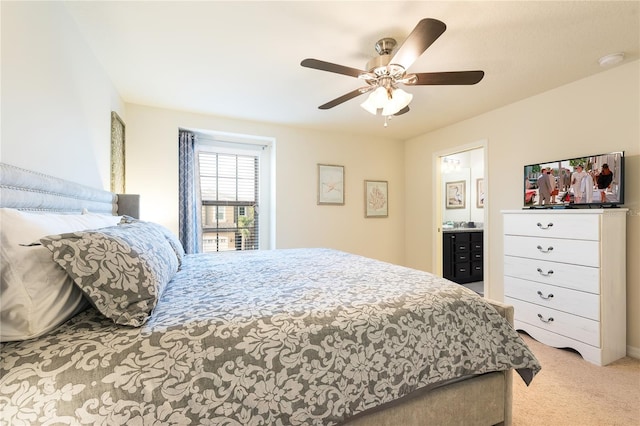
(386, 72)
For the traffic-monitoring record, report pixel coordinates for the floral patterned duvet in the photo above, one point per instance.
(284, 337)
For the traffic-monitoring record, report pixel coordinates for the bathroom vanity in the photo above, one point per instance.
(462, 255)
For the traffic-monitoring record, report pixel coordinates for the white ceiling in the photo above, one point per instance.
(242, 59)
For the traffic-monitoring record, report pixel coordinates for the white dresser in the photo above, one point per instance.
(565, 275)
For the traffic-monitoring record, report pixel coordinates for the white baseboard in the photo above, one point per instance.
(633, 352)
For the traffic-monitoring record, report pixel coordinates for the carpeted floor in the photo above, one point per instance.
(571, 391)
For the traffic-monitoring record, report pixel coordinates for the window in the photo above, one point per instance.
(229, 190)
(226, 191)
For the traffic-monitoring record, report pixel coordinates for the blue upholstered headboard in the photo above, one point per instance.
(32, 191)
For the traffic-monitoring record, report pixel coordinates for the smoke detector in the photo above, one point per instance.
(612, 59)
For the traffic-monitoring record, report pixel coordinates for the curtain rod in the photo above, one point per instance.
(207, 138)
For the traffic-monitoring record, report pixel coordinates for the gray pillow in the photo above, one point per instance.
(122, 269)
(170, 236)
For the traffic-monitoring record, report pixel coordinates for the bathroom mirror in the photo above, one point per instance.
(463, 189)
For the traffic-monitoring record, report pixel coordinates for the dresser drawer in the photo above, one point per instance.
(462, 246)
(579, 226)
(562, 299)
(462, 257)
(577, 277)
(575, 327)
(477, 270)
(462, 270)
(462, 237)
(586, 253)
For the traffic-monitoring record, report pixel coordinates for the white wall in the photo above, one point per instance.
(56, 98)
(597, 114)
(152, 171)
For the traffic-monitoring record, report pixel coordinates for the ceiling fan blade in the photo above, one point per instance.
(346, 97)
(403, 111)
(328, 66)
(423, 35)
(448, 78)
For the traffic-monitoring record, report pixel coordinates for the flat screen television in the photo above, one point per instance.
(581, 182)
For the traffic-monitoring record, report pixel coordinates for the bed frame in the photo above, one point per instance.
(32, 191)
(480, 400)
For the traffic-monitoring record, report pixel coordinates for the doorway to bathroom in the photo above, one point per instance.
(460, 217)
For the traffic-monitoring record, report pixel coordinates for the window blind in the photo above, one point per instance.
(229, 194)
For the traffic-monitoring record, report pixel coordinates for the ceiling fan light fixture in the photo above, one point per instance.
(389, 102)
(376, 100)
(368, 107)
(399, 100)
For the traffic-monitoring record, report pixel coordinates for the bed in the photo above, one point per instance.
(279, 337)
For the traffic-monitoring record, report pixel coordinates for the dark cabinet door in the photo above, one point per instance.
(476, 257)
(448, 242)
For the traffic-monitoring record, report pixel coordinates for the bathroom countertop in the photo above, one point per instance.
(462, 229)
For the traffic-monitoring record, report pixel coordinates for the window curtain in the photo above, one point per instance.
(189, 210)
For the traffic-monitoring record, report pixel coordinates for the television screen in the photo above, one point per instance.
(590, 181)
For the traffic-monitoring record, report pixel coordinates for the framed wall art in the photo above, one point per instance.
(330, 184)
(480, 193)
(117, 154)
(376, 198)
(456, 194)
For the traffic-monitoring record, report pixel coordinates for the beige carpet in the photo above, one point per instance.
(571, 391)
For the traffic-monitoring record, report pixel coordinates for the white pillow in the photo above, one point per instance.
(36, 295)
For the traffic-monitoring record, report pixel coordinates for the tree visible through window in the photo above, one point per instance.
(229, 194)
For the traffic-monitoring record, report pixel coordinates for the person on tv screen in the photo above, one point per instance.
(544, 187)
(554, 185)
(604, 180)
(566, 179)
(588, 186)
(577, 184)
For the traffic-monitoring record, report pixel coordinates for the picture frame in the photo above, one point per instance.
(480, 196)
(117, 154)
(376, 198)
(330, 184)
(456, 194)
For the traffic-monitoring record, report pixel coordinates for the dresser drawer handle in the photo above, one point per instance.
(549, 297)
(546, 321)
(545, 274)
(548, 250)
(541, 226)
